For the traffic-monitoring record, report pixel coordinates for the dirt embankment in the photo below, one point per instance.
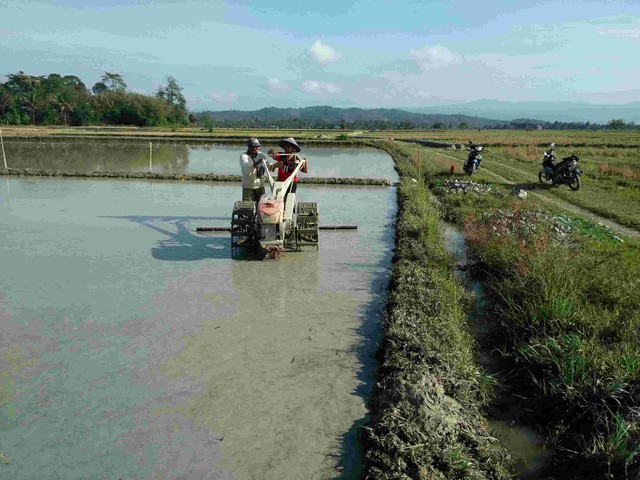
(427, 406)
(196, 177)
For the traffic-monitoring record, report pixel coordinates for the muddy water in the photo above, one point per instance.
(525, 445)
(132, 347)
(168, 157)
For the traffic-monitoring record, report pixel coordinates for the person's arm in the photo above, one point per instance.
(246, 165)
(304, 161)
(262, 156)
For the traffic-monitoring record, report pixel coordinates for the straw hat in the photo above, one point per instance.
(289, 141)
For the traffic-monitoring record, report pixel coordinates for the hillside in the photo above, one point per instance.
(329, 117)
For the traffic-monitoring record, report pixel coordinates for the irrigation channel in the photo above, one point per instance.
(525, 445)
(134, 348)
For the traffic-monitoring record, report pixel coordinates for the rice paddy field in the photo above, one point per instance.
(561, 300)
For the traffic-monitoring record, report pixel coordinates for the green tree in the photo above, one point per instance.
(463, 126)
(63, 96)
(114, 82)
(173, 97)
(172, 93)
(75, 83)
(30, 91)
(99, 88)
(66, 102)
(5, 99)
(617, 124)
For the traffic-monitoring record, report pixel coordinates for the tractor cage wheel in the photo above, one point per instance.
(308, 224)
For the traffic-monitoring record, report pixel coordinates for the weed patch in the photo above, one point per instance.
(565, 293)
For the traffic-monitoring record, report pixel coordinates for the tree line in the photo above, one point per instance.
(528, 124)
(232, 119)
(65, 100)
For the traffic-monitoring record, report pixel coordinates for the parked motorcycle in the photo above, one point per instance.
(567, 172)
(474, 159)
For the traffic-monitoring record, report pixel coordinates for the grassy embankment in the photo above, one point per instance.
(610, 162)
(427, 406)
(569, 314)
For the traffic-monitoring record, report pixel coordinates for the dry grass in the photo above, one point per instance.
(625, 171)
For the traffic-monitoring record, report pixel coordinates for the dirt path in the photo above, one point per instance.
(614, 226)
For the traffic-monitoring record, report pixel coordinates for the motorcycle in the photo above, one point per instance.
(567, 172)
(473, 159)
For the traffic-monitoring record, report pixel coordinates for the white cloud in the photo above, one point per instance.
(230, 97)
(437, 56)
(322, 53)
(633, 33)
(316, 86)
(6, 33)
(276, 85)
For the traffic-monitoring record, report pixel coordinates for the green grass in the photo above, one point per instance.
(427, 406)
(610, 183)
(570, 314)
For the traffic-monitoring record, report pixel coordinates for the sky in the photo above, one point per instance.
(240, 55)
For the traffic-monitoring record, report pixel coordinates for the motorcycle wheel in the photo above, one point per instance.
(574, 183)
(543, 177)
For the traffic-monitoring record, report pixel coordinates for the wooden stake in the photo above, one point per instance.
(3, 154)
(150, 157)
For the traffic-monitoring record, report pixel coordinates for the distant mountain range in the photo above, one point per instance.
(545, 111)
(479, 114)
(331, 116)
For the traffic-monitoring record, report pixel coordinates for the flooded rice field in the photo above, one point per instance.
(133, 347)
(180, 158)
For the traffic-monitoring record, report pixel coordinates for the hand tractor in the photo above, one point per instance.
(278, 222)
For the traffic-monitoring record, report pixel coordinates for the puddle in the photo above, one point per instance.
(525, 445)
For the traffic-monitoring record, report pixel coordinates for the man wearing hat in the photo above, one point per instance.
(252, 171)
(288, 161)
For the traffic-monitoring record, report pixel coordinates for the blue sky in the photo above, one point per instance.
(248, 55)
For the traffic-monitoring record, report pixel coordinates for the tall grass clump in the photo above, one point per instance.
(624, 171)
(570, 316)
(426, 408)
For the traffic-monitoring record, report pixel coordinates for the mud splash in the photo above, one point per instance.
(526, 446)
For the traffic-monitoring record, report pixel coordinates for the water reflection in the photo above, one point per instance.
(182, 158)
(182, 243)
(98, 156)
